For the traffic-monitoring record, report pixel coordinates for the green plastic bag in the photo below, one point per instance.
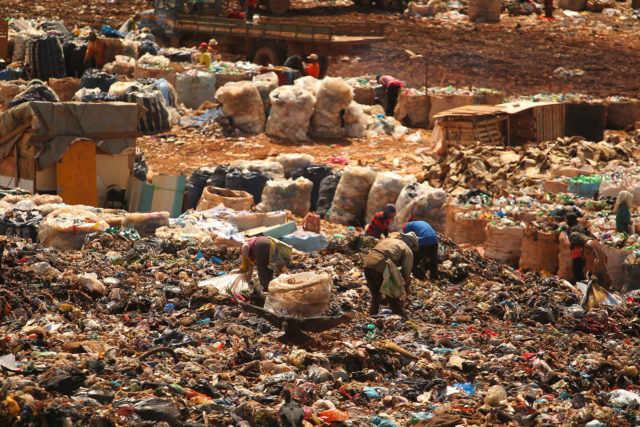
(392, 281)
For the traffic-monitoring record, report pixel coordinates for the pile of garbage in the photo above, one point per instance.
(134, 330)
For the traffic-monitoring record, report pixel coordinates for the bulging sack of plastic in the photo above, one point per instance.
(273, 170)
(20, 45)
(291, 111)
(308, 83)
(65, 87)
(504, 242)
(350, 200)
(242, 103)
(119, 88)
(539, 250)
(292, 161)
(302, 294)
(67, 228)
(355, 121)
(225, 284)
(292, 195)
(423, 203)
(146, 223)
(123, 65)
(413, 108)
(266, 83)
(195, 88)
(385, 189)
(157, 61)
(234, 199)
(332, 101)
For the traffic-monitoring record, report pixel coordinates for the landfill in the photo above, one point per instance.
(128, 301)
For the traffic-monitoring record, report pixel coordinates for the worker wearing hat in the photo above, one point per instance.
(312, 68)
(396, 251)
(211, 46)
(205, 58)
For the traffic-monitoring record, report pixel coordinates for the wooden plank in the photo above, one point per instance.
(14, 132)
(4, 39)
(76, 174)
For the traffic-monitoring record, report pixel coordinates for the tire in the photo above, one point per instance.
(277, 7)
(267, 55)
(364, 3)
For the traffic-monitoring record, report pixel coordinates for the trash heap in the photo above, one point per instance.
(131, 330)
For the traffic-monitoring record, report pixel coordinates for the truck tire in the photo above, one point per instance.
(277, 7)
(267, 55)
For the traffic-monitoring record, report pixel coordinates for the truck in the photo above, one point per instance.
(268, 41)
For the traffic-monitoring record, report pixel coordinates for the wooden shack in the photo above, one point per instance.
(466, 125)
(69, 148)
(534, 121)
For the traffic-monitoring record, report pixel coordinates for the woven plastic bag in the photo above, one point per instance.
(333, 99)
(67, 228)
(423, 203)
(242, 103)
(350, 200)
(291, 111)
(304, 294)
(292, 195)
(385, 189)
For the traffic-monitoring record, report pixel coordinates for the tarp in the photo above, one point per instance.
(68, 121)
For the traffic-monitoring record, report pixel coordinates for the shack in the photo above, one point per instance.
(534, 121)
(466, 125)
(79, 151)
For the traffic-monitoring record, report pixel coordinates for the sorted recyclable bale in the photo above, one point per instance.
(35, 91)
(422, 203)
(565, 261)
(195, 88)
(291, 161)
(350, 201)
(45, 57)
(146, 223)
(123, 65)
(314, 173)
(355, 121)
(196, 183)
(413, 108)
(118, 89)
(65, 88)
(241, 102)
(67, 228)
(308, 83)
(301, 294)
(93, 78)
(385, 190)
(234, 199)
(289, 194)
(8, 91)
(615, 264)
(266, 83)
(469, 227)
(251, 182)
(584, 186)
(156, 119)
(539, 250)
(326, 193)
(271, 169)
(504, 241)
(291, 111)
(332, 101)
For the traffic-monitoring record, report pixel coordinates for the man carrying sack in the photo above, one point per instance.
(381, 267)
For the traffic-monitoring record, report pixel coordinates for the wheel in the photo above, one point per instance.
(278, 7)
(363, 2)
(267, 55)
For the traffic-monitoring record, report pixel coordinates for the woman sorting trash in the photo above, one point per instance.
(623, 213)
(595, 259)
(268, 255)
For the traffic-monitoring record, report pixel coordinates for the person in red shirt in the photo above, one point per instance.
(251, 9)
(392, 90)
(313, 67)
(379, 225)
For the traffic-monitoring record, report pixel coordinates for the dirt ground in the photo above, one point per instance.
(517, 55)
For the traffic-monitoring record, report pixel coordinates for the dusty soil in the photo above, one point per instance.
(517, 55)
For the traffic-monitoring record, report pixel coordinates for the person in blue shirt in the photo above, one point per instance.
(427, 250)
